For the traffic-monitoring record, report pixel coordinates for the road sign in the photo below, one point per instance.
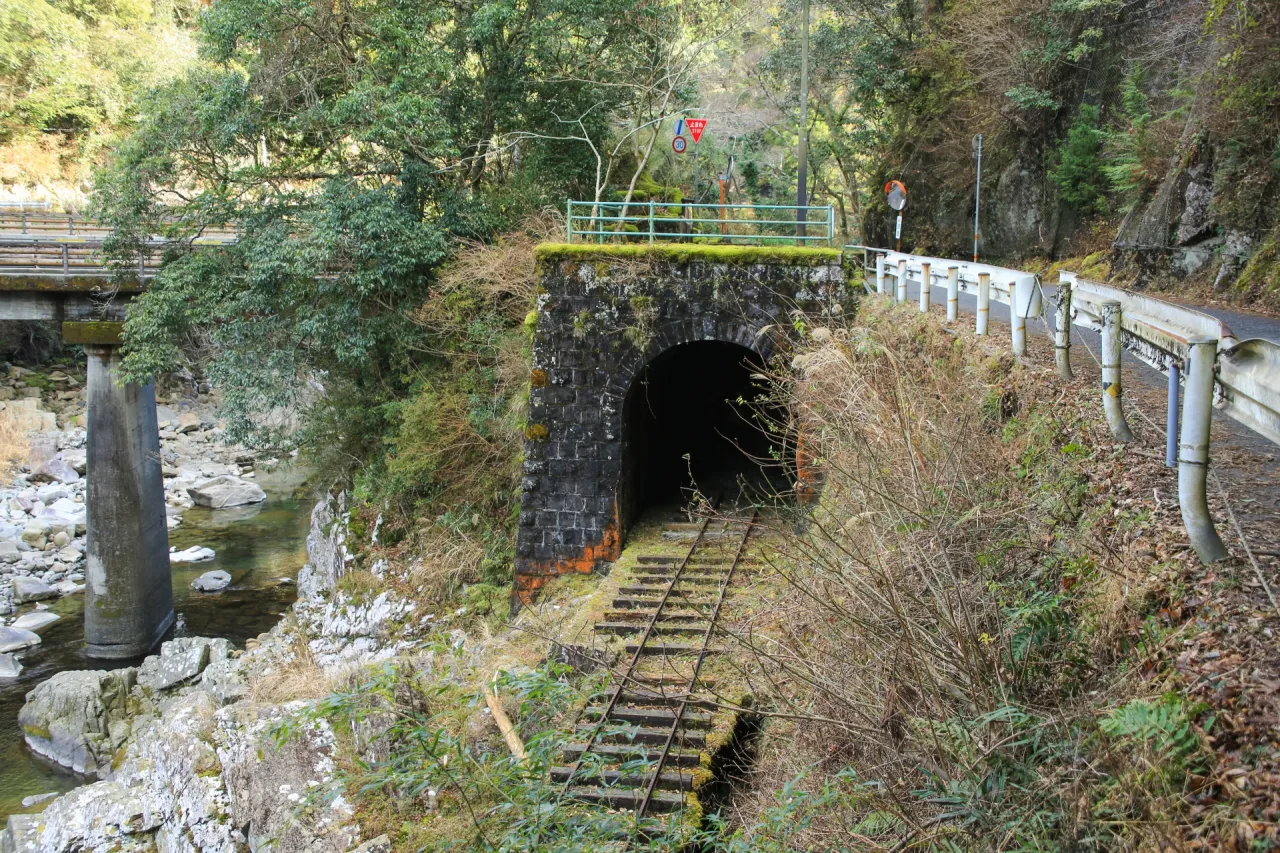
(680, 127)
(696, 126)
(897, 194)
(678, 145)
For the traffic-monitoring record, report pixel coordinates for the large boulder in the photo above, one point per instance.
(79, 719)
(105, 817)
(55, 471)
(225, 491)
(9, 552)
(27, 589)
(180, 661)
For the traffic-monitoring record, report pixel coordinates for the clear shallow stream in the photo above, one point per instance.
(255, 545)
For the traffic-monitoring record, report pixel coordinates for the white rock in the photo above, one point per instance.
(226, 491)
(194, 554)
(55, 471)
(30, 589)
(10, 667)
(9, 552)
(17, 639)
(214, 581)
(35, 621)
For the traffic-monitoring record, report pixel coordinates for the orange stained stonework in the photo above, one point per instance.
(608, 549)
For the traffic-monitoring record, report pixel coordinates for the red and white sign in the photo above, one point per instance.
(678, 145)
(696, 126)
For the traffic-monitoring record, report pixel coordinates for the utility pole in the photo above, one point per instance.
(802, 182)
(977, 193)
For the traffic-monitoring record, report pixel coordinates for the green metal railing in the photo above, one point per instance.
(651, 221)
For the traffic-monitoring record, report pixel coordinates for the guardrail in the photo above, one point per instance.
(651, 221)
(1205, 362)
(80, 255)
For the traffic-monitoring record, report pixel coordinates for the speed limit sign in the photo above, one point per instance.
(679, 144)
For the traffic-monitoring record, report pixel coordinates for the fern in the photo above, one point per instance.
(1162, 726)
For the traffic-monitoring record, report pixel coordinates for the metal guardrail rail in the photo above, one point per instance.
(653, 221)
(1199, 353)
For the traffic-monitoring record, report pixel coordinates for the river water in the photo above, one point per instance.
(256, 545)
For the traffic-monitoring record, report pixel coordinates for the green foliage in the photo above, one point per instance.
(347, 191)
(1028, 97)
(1161, 728)
(77, 66)
(1081, 181)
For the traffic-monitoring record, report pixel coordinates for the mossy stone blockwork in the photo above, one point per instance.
(637, 304)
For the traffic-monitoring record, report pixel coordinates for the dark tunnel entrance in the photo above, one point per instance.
(699, 400)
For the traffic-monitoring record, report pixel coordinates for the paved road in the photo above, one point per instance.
(1246, 463)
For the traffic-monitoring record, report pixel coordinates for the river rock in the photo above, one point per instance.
(214, 581)
(17, 639)
(381, 844)
(52, 493)
(30, 589)
(69, 718)
(10, 667)
(55, 471)
(194, 554)
(179, 661)
(37, 799)
(188, 422)
(35, 621)
(35, 532)
(61, 539)
(226, 491)
(9, 551)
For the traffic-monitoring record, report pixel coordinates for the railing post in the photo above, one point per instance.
(71, 224)
(24, 222)
(1062, 328)
(1109, 311)
(901, 283)
(1017, 323)
(984, 302)
(650, 221)
(568, 221)
(1193, 457)
(880, 274)
(1171, 419)
(953, 294)
(66, 259)
(925, 277)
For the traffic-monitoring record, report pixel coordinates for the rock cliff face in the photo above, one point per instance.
(187, 761)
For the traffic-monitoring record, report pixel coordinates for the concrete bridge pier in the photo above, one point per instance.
(128, 588)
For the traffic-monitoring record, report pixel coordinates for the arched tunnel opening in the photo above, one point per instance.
(698, 416)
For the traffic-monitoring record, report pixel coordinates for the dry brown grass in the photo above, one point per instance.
(294, 676)
(944, 618)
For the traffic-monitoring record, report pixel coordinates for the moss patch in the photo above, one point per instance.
(684, 253)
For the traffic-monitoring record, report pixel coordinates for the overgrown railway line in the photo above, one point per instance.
(641, 744)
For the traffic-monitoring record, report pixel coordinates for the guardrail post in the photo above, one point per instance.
(901, 282)
(1109, 311)
(66, 259)
(650, 221)
(24, 223)
(568, 221)
(984, 302)
(71, 224)
(1193, 457)
(1171, 420)
(880, 274)
(1062, 329)
(1017, 323)
(953, 294)
(925, 277)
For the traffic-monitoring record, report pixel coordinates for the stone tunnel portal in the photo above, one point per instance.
(698, 415)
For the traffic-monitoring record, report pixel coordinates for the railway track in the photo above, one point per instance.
(641, 741)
